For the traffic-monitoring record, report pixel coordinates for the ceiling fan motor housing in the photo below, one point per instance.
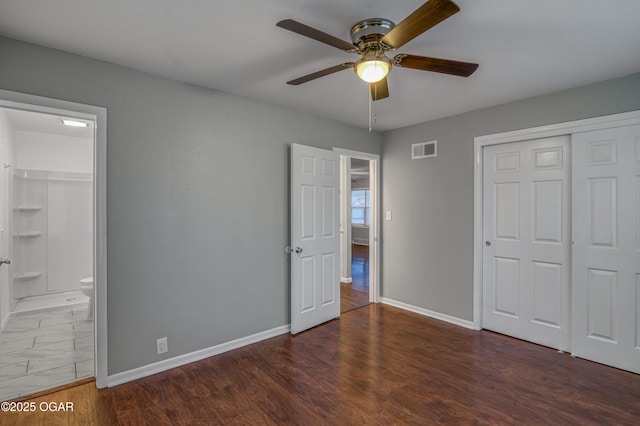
(366, 34)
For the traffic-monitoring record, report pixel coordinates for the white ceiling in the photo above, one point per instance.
(524, 48)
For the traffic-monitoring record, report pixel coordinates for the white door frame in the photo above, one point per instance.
(603, 122)
(41, 104)
(374, 227)
(345, 220)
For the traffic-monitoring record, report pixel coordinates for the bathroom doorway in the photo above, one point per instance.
(47, 212)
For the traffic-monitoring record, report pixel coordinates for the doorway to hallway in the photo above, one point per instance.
(355, 294)
(354, 285)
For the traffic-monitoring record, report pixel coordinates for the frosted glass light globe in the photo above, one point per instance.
(372, 70)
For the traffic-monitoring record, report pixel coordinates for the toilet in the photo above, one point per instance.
(86, 286)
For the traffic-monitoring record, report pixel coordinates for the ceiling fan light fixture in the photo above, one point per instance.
(373, 38)
(373, 68)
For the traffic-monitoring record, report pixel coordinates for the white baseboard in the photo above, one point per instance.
(167, 364)
(346, 280)
(426, 312)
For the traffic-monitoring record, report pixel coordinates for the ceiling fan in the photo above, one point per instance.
(373, 37)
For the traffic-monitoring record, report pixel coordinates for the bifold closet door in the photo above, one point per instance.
(606, 255)
(526, 233)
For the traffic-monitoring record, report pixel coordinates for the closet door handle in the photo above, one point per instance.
(5, 261)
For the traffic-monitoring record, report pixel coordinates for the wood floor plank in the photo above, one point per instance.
(351, 299)
(355, 294)
(375, 365)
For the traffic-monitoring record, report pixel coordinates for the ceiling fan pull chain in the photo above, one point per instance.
(373, 107)
(369, 97)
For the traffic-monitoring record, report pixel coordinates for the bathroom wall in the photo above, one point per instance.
(42, 151)
(6, 157)
(54, 172)
(69, 233)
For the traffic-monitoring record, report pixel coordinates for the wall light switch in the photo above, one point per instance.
(387, 215)
(161, 346)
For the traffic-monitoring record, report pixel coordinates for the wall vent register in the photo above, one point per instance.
(424, 150)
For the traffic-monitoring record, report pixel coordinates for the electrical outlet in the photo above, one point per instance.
(161, 346)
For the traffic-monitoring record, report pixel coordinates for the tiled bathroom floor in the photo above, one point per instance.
(43, 350)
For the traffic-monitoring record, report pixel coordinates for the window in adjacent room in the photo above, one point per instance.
(360, 207)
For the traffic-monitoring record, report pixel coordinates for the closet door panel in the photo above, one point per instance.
(606, 249)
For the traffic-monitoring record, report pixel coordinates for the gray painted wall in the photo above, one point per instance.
(427, 249)
(197, 200)
(360, 233)
(360, 182)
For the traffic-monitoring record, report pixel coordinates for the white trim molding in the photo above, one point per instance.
(558, 129)
(168, 364)
(345, 220)
(427, 313)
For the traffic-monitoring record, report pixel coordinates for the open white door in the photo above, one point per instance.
(315, 238)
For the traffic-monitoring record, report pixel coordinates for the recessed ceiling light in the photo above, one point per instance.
(74, 123)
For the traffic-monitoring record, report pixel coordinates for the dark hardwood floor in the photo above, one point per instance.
(351, 299)
(355, 295)
(375, 365)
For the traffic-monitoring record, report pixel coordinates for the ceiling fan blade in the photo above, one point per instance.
(426, 16)
(320, 73)
(307, 31)
(379, 90)
(444, 66)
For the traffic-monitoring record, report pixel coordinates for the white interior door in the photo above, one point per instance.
(315, 240)
(606, 262)
(526, 231)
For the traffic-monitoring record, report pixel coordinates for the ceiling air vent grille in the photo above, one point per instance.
(424, 150)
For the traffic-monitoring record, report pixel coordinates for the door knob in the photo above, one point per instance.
(5, 261)
(298, 250)
(487, 243)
